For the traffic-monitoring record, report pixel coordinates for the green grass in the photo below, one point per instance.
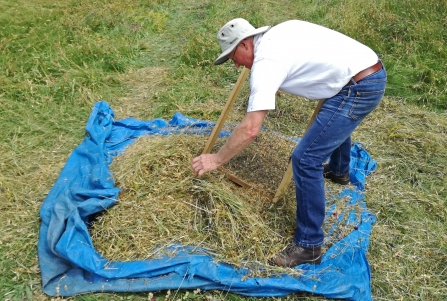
(58, 58)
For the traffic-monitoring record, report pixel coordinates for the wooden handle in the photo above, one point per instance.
(226, 111)
(288, 175)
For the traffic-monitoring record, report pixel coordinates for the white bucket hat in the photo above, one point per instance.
(232, 33)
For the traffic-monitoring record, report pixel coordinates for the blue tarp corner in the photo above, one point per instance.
(70, 264)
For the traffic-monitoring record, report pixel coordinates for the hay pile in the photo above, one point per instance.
(263, 163)
(162, 204)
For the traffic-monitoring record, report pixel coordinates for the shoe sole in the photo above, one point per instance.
(330, 176)
(339, 181)
(313, 261)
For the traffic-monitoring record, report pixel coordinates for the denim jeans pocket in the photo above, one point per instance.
(364, 103)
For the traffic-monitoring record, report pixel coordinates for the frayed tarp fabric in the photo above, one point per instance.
(70, 265)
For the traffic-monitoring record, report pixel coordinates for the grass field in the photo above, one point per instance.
(150, 59)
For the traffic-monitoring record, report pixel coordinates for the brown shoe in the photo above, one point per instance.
(294, 255)
(328, 174)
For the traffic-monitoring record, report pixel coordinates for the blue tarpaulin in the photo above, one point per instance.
(70, 264)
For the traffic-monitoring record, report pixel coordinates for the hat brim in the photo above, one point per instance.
(223, 57)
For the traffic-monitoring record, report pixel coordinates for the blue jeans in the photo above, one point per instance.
(329, 136)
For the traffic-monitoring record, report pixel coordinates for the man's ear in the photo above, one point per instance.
(245, 42)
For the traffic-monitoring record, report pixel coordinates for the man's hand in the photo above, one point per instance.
(204, 163)
(239, 139)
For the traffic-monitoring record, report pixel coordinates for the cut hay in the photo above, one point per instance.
(263, 163)
(162, 204)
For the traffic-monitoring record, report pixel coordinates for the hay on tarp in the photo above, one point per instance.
(161, 203)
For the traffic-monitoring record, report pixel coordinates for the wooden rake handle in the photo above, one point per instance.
(288, 175)
(226, 111)
(221, 121)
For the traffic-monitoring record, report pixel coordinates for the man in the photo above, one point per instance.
(315, 62)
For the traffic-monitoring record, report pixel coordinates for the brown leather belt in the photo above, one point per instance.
(364, 73)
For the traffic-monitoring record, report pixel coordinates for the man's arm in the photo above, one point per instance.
(239, 139)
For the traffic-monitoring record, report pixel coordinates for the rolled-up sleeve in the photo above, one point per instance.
(265, 79)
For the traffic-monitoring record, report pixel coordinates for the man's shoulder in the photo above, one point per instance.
(291, 24)
(290, 27)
